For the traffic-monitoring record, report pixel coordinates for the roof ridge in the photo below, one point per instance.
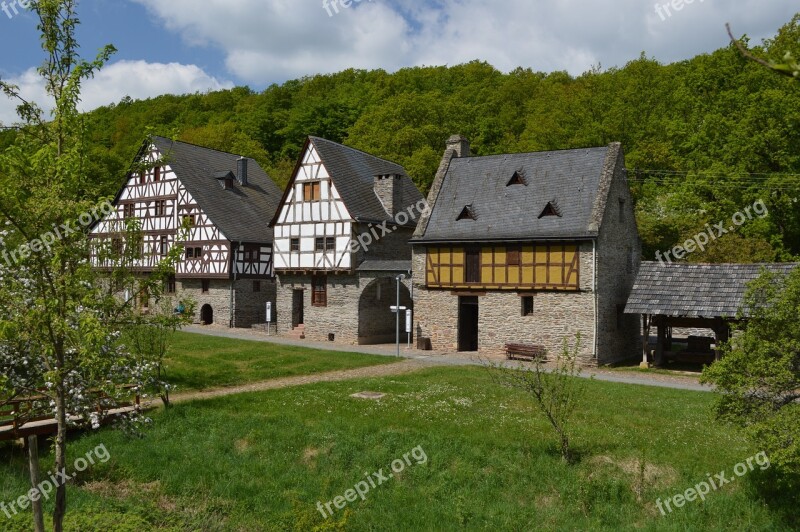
(314, 138)
(203, 147)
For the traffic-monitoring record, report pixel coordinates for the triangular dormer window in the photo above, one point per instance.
(516, 179)
(551, 209)
(468, 213)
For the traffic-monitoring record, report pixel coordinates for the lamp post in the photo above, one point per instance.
(397, 310)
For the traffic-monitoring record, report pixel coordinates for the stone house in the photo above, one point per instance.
(341, 241)
(528, 248)
(227, 265)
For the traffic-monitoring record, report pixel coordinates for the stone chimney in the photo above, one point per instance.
(241, 171)
(460, 145)
(389, 189)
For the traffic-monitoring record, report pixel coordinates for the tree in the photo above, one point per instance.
(59, 322)
(790, 66)
(759, 375)
(557, 392)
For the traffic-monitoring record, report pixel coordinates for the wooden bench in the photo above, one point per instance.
(698, 351)
(525, 351)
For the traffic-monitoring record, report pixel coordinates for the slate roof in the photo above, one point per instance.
(241, 213)
(353, 173)
(385, 266)
(570, 179)
(694, 290)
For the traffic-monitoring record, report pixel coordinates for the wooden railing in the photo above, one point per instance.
(17, 418)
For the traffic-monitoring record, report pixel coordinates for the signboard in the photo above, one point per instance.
(408, 321)
(269, 311)
(394, 308)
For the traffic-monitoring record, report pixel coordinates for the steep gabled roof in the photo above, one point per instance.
(694, 290)
(241, 213)
(353, 174)
(569, 179)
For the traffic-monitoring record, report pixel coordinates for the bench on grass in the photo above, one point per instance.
(525, 351)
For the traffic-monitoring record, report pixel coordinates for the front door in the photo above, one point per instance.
(297, 308)
(468, 323)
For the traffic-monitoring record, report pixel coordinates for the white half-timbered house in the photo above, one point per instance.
(227, 264)
(341, 240)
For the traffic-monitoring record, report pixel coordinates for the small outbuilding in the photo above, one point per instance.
(706, 296)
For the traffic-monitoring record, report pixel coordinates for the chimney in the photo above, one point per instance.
(460, 145)
(389, 189)
(241, 173)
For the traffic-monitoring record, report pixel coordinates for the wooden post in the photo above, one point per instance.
(659, 358)
(33, 466)
(645, 341)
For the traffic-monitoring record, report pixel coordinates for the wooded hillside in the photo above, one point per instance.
(704, 138)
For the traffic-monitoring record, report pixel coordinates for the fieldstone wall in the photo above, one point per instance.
(618, 258)
(218, 296)
(250, 307)
(349, 317)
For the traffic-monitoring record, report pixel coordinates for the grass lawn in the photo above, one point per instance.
(261, 461)
(199, 362)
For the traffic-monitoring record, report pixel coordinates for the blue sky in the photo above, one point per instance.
(179, 46)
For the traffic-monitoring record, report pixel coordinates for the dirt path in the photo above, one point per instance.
(399, 368)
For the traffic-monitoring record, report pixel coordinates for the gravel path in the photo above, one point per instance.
(383, 370)
(445, 358)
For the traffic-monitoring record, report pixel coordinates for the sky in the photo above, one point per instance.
(187, 46)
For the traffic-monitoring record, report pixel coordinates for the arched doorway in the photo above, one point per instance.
(376, 321)
(207, 315)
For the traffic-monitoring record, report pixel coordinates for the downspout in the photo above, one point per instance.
(594, 290)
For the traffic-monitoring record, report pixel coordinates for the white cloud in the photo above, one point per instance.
(137, 79)
(273, 40)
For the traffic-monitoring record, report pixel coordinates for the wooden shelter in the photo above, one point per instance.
(707, 296)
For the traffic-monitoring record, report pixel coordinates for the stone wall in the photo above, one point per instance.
(249, 306)
(618, 258)
(351, 319)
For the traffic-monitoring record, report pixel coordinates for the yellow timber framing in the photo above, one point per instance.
(548, 266)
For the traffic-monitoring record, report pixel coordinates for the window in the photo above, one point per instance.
(205, 286)
(161, 207)
(467, 213)
(144, 299)
(513, 256)
(142, 177)
(319, 244)
(252, 253)
(324, 244)
(188, 220)
(620, 316)
(311, 191)
(157, 173)
(164, 246)
(116, 246)
(129, 210)
(169, 285)
(527, 305)
(319, 291)
(473, 266)
(621, 210)
(198, 253)
(551, 209)
(189, 253)
(330, 243)
(256, 286)
(516, 179)
(294, 244)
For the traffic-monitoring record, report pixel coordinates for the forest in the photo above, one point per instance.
(704, 138)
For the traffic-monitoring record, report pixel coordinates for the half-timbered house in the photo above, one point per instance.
(341, 241)
(528, 249)
(224, 200)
